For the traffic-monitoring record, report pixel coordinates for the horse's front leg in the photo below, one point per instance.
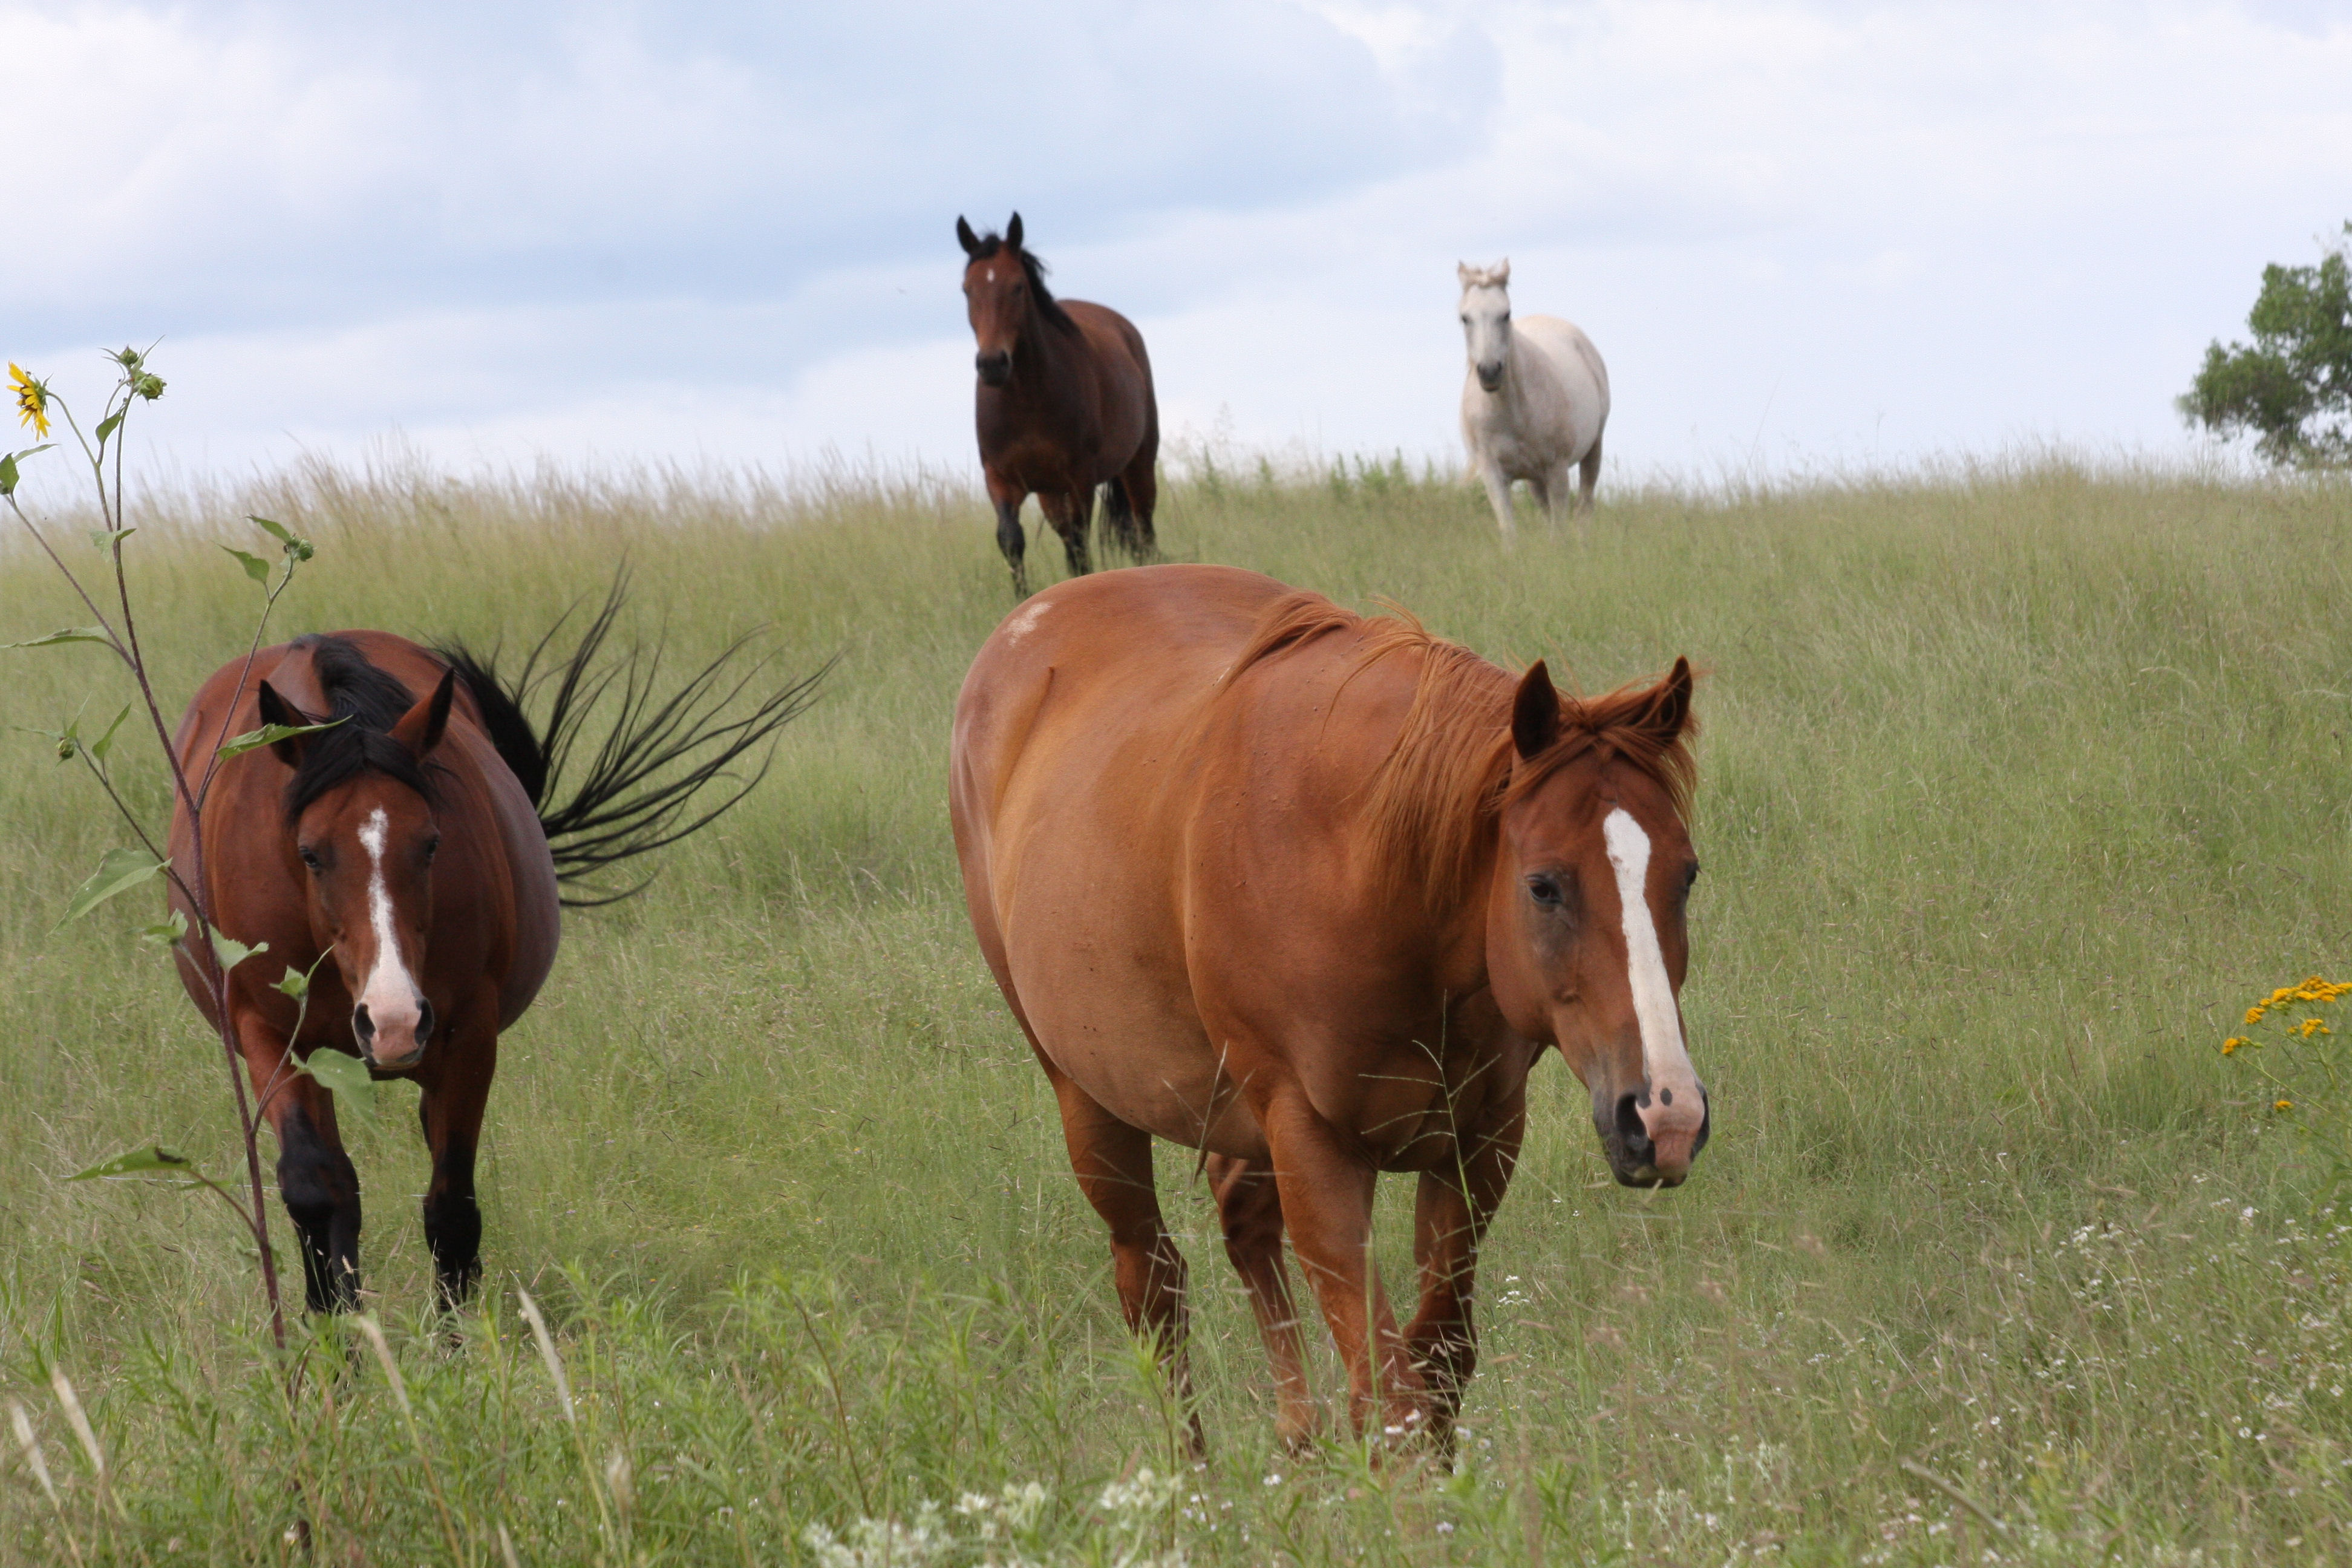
(1249, 1206)
(1498, 493)
(1010, 539)
(1450, 1218)
(1326, 1201)
(315, 1177)
(457, 1088)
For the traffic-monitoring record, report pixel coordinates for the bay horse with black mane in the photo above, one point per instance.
(1311, 892)
(1065, 404)
(417, 843)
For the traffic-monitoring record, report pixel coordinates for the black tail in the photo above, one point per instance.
(623, 807)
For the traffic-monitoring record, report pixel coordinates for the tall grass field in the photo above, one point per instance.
(2019, 782)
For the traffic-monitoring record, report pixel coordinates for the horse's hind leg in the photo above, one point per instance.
(451, 1111)
(1138, 488)
(1113, 1162)
(1072, 516)
(1552, 492)
(1249, 1204)
(1119, 518)
(1589, 468)
(1498, 493)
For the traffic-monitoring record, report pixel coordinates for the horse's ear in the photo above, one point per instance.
(1465, 272)
(1534, 712)
(276, 709)
(963, 232)
(1670, 706)
(1501, 275)
(421, 728)
(1013, 231)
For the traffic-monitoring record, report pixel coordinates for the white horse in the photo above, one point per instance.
(1534, 401)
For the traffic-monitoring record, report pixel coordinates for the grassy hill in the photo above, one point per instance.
(2018, 782)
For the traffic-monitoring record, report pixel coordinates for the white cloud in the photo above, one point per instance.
(1795, 230)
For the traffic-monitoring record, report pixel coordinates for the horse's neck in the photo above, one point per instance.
(1047, 353)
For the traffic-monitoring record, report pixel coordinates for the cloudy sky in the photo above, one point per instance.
(1802, 234)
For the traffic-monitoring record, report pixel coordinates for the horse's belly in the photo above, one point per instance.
(1096, 963)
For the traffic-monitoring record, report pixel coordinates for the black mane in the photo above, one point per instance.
(992, 243)
(369, 701)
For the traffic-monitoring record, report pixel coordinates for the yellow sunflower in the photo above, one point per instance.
(32, 400)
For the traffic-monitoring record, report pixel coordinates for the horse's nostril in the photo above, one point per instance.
(362, 1025)
(1631, 1133)
(424, 1021)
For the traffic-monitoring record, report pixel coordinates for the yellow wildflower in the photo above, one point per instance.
(2255, 1014)
(2283, 1105)
(32, 400)
(2230, 1045)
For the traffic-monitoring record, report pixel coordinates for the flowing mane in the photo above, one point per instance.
(1432, 806)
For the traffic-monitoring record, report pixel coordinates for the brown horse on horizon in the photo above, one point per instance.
(416, 845)
(1064, 405)
(1311, 893)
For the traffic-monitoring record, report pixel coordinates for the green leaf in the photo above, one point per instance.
(66, 634)
(108, 538)
(131, 1162)
(347, 1077)
(232, 952)
(296, 982)
(8, 461)
(299, 548)
(106, 427)
(167, 932)
(105, 744)
(254, 566)
(121, 870)
(269, 735)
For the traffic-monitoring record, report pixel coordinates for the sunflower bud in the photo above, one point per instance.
(147, 386)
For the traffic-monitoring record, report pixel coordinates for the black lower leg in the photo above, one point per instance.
(1074, 531)
(1013, 544)
(453, 1223)
(321, 1193)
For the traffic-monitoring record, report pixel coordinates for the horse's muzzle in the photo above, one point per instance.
(1640, 1158)
(389, 1050)
(1490, 376)
(995, 369)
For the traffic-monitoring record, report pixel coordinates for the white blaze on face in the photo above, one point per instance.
(1663, 1061)
(390, 995)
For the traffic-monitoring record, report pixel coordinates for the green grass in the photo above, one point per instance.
(2018, 782)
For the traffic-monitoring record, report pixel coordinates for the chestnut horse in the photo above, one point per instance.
(1311, 892)
(413, 843)
(1065, 404)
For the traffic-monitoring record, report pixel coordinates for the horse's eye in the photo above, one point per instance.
(432, 847)
(309, 855)
(1545, 891)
